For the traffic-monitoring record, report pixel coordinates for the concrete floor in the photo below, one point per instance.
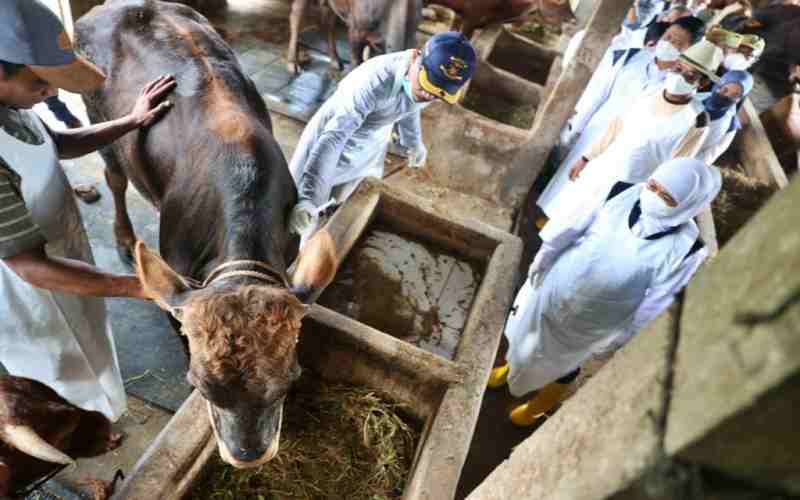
(154, 375)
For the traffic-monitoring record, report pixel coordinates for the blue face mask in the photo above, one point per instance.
(407, 89)
(717, 104)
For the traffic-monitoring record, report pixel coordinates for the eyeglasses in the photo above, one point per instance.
(689, 74)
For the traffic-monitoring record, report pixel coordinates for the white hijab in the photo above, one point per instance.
(692, 183)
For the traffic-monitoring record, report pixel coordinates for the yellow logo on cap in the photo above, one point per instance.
(453, 68)
(64, 43)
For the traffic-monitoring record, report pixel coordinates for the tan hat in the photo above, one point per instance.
(755, 42)
(722, 37)
(705, 57)
(38, 40)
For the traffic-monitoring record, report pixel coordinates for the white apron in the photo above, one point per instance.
(633, 80)
(645, 142)
(59, 339)
(588, 298)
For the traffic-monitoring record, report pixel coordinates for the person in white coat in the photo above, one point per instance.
(666, 122)
(619, 80)
(347, 138)
(722, 107)
(54, 327)
(600, 276)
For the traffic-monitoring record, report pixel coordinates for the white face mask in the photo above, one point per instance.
(736, 61)
(666, 52)
(653, 205)
(675, 84)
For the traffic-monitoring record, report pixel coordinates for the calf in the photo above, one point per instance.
(224, 192)
(40, 430)
(380, 25)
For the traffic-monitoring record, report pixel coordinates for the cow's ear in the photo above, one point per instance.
(315, 267)
(159, 281)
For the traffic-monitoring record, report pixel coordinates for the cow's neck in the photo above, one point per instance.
(254, 227)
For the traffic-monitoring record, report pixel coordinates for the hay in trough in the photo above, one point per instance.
(738, 200)
(498, 108)
(338, 441)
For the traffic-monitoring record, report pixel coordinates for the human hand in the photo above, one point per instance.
(301, 220)
(148, 107)
(577, 168)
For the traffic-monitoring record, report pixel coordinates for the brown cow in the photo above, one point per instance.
(39, 430)
(382, 25)
(475, 15)
(217, 175)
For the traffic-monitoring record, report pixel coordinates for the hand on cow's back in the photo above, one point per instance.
(150, 105)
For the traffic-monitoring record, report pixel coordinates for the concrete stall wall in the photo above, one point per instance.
(701, 404)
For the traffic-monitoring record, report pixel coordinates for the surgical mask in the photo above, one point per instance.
(676, 84)
(653, 205)
(736, 61)
(408, 90)
(666, 52)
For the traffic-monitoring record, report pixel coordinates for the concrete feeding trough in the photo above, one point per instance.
(436, 360)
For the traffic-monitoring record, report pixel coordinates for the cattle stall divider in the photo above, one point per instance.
(444, 394)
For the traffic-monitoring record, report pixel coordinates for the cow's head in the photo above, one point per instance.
(242, 344)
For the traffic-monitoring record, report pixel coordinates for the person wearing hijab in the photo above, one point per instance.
(618, 81)
(600, 276)
(722, 106)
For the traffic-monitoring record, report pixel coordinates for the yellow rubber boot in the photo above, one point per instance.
(541, 221)
(545, 400)
(499, 376)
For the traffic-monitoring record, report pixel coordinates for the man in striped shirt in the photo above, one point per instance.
(53, 327)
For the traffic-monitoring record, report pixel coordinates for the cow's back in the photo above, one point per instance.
(215, 105)
(216, 142)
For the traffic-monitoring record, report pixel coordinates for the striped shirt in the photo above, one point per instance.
(18, 232)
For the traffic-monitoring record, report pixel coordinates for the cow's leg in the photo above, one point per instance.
(329, 25)
(123, 229)
(295, 19)
(357, 45)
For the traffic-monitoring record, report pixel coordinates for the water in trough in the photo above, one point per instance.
(405, 287)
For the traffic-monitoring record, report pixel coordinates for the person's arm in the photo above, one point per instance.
(560, 233)
(409, 128)
(595, 94)
(314, 186)
(661, 295)
(710, 153)
(690, 145)
(597, 148)
(77, 142)
(72, 276)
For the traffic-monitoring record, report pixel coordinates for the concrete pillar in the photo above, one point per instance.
(559, 105)
(604, 439)
(737, 372)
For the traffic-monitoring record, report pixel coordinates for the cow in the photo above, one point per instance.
(477, 15)
(376, 26)
(40, 430)
(214, 171)
(782, 124)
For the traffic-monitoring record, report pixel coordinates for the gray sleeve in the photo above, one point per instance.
(410, 130)
(18, 232)
(347, 114)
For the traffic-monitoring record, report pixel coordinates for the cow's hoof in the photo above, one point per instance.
(114, 441)
(87, 193)
(125, 253)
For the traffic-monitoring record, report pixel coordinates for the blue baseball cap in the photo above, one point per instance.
(31, 34)
(448, 62)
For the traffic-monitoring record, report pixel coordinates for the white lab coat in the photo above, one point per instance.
(347, 138)
(645, 140)
(601, 284)
(61, 340)
(720, 135)
(610, 93)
